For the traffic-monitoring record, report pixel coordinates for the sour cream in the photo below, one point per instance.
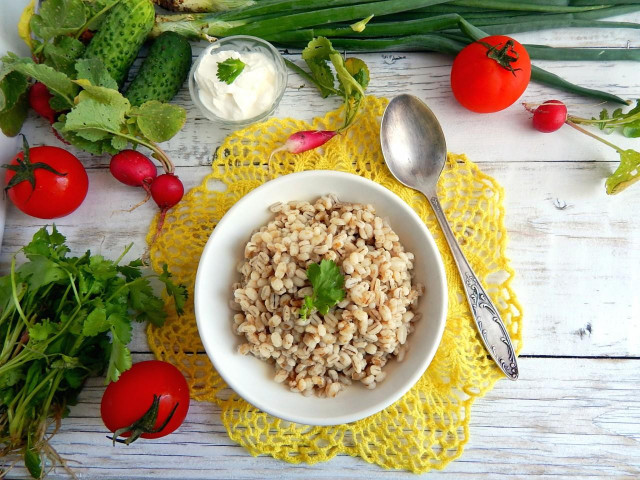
(250, 94)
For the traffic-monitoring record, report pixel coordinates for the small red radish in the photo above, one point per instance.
(305, 140)
(166, 190)
(550, 116)
(39, 97)
(133, 168)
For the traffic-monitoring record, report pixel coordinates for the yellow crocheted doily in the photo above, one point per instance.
(429, 426)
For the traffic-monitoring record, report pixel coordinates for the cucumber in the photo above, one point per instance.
(121, 35)
(163, 72)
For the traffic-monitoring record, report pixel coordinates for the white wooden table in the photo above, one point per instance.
(574, 413)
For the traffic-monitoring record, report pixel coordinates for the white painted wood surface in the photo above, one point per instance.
(575, 412)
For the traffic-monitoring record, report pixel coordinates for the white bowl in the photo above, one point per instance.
(252, 378)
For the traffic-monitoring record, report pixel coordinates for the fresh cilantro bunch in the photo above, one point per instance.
(64, 319)
(352, 75)
(328, 291)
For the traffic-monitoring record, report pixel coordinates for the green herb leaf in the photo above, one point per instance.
(63, 53)
(43, 330)
(58, 17)
(98, 115)
(328, 291)
(12, 119)
(75, 377)
(93, 70)
(178, 292)
(96, 322)
(56, 82)
(159, 121)
(121, 327)
(317, 54)
(627, 173)
(11, 378)
(229, 70)
(131, 271)
(629, 122)
(119, 360)
(142, 299)
(13, 86)
(96, 147)
(358, 70)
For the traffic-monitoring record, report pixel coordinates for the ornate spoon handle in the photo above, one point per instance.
(492, 330)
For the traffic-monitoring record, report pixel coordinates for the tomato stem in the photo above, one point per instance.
(504, 55)
(144, 424)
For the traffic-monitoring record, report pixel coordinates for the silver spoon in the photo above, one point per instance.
(415, 151)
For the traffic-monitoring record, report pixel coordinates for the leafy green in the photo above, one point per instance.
(93, 70)
(229, 70)
(56, 82)
(11, 119)
(70, 319)
(99, 113)
(12, 87)
(177, 291)
(63, 53)
(627, 173)
(629, 122)
(103, 121)
(352, 75)
(58, 17)
(328, 291)
(159, 121)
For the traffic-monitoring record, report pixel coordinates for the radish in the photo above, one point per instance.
(39, 97)
(166, 190)
(552, 114)
(549, 116)
(132, 168)
(305, 140)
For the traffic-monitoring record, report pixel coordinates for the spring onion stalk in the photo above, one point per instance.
(525, 6)
(578, 3)
(449, 23)
(203, 5)
(386, 29)
(217, 26)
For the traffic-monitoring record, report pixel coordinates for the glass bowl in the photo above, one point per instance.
(240, 44)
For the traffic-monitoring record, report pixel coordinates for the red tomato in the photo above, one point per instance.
(127, 400)
(490, 74)
(54, 195)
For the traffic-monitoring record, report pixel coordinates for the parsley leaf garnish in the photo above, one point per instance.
(328, 291)
(229, 70)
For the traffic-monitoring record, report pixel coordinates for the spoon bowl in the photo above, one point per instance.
(415, 151)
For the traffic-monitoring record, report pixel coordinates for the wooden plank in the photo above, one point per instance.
(573, 249)
(565, 418)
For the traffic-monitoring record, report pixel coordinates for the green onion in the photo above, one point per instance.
(423, 25)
